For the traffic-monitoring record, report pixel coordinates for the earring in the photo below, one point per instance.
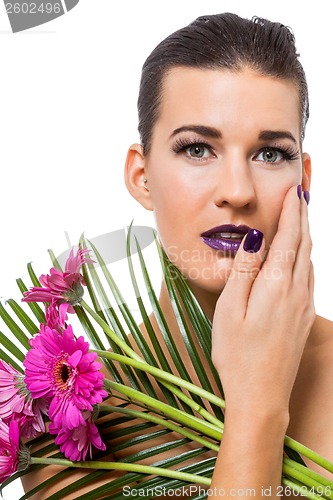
(145, 184)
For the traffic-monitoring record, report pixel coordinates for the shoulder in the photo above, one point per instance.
(315, 374)
(317, 361)
(311, 405)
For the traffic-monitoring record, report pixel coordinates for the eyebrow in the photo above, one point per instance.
(264, 135)
(200, 130)
(271, 135)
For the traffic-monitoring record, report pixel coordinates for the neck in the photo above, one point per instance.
(207, 301)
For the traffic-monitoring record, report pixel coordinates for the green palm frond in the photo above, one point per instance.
(160, 415)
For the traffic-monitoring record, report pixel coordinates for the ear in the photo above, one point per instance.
(306, 172)
(135, 176)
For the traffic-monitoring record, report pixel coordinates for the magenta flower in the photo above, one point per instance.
(62, 289)
(16, 402)
(55, 318)
(60, 367)
(31, 422)
(9, 449)
(76, 443)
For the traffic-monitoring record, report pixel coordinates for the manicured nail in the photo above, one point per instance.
(299, 191)
(253, 241)
(306, 195)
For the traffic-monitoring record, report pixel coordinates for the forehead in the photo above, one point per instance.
(243, 101)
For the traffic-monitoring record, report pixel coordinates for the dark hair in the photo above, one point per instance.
(220, 41)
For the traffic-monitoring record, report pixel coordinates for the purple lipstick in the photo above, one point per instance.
(226, 238)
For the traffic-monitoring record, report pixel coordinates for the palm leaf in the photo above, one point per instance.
(6, 357)
(26, 321)
(187, 337)
(11, 347)
(35, 308)
(131, 323)
(96, 292)
(14, 328)
(198, 320)
(186, 416)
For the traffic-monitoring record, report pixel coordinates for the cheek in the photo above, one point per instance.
(270, 203)
(168, 211)
(177, 200)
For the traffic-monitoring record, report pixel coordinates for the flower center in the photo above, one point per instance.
(62, 373)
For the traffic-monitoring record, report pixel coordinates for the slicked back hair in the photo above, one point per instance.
(221, 41)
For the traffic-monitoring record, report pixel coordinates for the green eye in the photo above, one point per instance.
(198, 151)
(193, 149)
(270, 155)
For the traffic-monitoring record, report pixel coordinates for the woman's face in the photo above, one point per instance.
(225, 150)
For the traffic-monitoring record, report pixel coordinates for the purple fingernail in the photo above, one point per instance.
(253, 241)
(306, 195)
(299, 191)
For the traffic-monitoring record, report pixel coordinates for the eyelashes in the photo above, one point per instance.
(182, 143)
(275, 153)
(288, 153)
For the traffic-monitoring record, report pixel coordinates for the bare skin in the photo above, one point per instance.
(311, 411)
(273, 354)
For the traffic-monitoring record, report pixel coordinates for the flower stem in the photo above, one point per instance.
(313, 476)
(307, 452)
(133, 355)
(173, 379)
(106, 328)
(300, 489)
(161, 374)
(316, 482)
(179, 416)
(291, 443)
(143, 469)
(162, 421)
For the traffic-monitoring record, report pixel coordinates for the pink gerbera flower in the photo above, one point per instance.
(62, 289)
(76, 443)
(56, 316)
(16, 402)
(9, 449)
(60, 367)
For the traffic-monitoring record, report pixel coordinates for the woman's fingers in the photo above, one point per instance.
(284, 248)
(302, 259)
(290, 251)
(287, 261)
(245, 269)
(265, 312)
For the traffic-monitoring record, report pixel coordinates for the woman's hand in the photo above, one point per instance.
(261, 323)
(264, 315)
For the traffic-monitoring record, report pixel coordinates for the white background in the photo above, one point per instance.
(68, 113)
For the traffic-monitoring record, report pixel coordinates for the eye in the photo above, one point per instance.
(277, 154)
(270, 155)
(193, 149)
(198, 151)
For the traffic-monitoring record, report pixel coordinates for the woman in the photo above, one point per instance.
(223, 106)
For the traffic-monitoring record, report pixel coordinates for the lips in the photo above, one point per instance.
(226, 238)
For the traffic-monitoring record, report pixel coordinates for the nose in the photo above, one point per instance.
(234, 183)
